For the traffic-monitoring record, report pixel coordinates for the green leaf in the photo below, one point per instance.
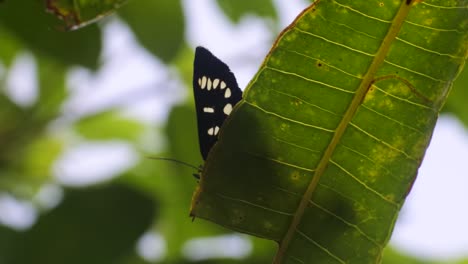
(96, 225)
(456, 103)
(7, 241)
(179, 182)
(181, 130)
(52, 89)
(172, 184)
(39, 156)
(158, 25)
(79, 13)
(11, 117)
(37, 30)
(391, 256)
(326, 143)
(10, 48)
(109, 125)
(236, 9)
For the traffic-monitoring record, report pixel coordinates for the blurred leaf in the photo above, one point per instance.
(457, 101)
(235, 10)
(322, 150)
(109, 125)
(39, 156)
(11, 115)
(79, 13)
(184, 63)
(52, 89)
(172, 185)
(182, 136)
(158, 25)
(28, 22)
(19, 133)
(8, 239)
(176, 224)
(10, 46)
(392, 256)
(93, 226)
(27, 153)
(17, 130)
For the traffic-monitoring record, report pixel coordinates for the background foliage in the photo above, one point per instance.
(102, 222)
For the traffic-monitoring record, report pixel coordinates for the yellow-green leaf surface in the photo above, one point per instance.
(109, 125)
(78, 13)
(236, 9)
(326, 143)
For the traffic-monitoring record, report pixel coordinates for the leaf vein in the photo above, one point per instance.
(289, 119)
(327, 64)
(373, 161)
(394, 120)
(383, 142)
(433, 28)
(341, 194)
(415, 72)
(428, 50)
(335, 43)
(364, 184)
(296, 259)
(308, 79)
(280, 162)
(348, 27)
(403, 99)
(445, 7)
(286, 191)
(320, 247)
(253, 204)
(308, 103)
(356, 227)
(363, 14)
(295, 145)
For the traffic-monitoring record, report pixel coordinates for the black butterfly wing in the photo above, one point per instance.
(216, 92)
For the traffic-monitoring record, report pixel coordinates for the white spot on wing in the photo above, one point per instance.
(199, 82)
(227, 94)
(223, 85)
(203, 82)
(215, 83)
(208, 109)
(208, 84)
(211, 131)
(227, 109)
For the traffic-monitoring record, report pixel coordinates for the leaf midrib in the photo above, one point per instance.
(341, 128)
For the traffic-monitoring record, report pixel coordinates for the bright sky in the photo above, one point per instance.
(433, 221)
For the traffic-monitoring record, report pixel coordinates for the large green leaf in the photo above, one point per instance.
(326, 143)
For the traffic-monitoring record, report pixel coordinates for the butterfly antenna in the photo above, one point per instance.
(176, 161)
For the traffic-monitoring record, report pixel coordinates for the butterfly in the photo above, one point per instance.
(216, 92)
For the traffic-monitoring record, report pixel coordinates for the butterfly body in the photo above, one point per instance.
(216, 93)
